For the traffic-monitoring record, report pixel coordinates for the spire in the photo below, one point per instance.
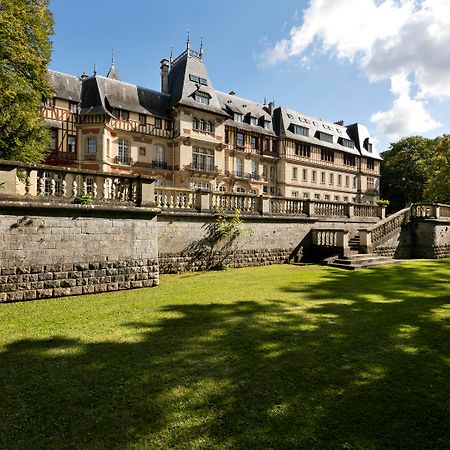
(112, 73)
(201, 45)
(171, 55)
(188, 41)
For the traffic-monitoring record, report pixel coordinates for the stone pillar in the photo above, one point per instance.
(309, 208)
(342, 242)
(263, 205)
(147, 193)
(382, 211)
(8, 180)
(365, 237)
(436, 210)
(350, 210)
(202, 201)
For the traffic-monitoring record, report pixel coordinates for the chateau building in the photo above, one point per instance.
(190, 135)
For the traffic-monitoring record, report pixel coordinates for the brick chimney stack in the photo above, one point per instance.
(165, 76)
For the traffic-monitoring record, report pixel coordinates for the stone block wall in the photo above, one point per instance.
(431, 238)
(70, 251)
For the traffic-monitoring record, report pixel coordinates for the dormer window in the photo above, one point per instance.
(266, 125)
(290, 116)
(303, 131)
(367, 145)
(203, 81)
(194, 78)
(347, 143)
(202, 97)
(325, 137)
(253, 121)
(237, 117)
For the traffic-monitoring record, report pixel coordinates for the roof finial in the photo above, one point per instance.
(112, 58)
(188, 41)
(95, 70)
(201, 45)
(265, 101)
(171, 55)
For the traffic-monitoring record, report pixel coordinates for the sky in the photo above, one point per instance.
(383, 63)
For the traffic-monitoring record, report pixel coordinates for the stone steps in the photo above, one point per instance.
(359, 261)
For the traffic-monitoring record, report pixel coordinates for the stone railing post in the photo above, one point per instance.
(263, 205)
(309, 208)
(202, 201)
(436, 211)
(342, 242)
(350, 210)
(146, 192)
(8, 177)
(365, 237)
(382, 211)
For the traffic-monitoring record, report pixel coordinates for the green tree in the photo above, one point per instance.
(438, 186)
(25, 49)
(405, 171)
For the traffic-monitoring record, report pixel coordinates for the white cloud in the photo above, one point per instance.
(406, 41)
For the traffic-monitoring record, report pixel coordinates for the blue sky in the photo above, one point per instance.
(384, 63)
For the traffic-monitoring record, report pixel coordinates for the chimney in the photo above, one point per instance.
(339, 122)
(164, 76)
(271, 106)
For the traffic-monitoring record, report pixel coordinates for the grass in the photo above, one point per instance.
(273, 357)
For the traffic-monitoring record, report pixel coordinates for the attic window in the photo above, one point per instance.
(237, 117)
(348, 143)
(203, 81)
(290, 116)
(253, 120)
(194, 78)
(266, 125)
(202, 97)
(325, 137)
(367, 145)
(301, 130)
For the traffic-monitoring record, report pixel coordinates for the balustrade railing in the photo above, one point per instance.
(281, 205)
(366, 210)
(231, 202)
(171, 198)
(387, 226)
(44, 183)
(331, 209)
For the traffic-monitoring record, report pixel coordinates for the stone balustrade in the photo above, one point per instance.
(430, 210)
(52, 184)
(331, 238)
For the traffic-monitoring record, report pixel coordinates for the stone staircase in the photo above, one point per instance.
(360, 261)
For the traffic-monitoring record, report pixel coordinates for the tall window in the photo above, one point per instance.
(53, 139)
(303, 131)
(322, 177)
(142, 120)
(202, 97)
(266, 145)
(239, 167)
(349, 160)
(254, 142)
(122, 153)
(254, 170)
(158, 123)
(240, 139)
(302, 150)
(326, 155)
(237, 117)
(158, 151)
(305, 175)
(265, 170)
(370, 164)
(331, 178)
(125, 115)
(253, 121)
(203, 159)
(73, 107)
(294, 173)
(71, 144)
(92, 146)
(314, 176)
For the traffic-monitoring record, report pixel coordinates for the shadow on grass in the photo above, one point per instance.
(332, 367)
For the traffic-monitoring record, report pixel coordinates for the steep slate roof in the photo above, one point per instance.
(233, 104)
(360, 134)
(182, 89)
(288, 117)
(65, 86)
(113, 74)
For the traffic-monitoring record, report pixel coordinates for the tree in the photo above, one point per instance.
(405, 171)
(25, 49)
(438, 186)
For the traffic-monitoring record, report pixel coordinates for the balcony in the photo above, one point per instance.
(243, 176)
(123, 160)
(206, 168)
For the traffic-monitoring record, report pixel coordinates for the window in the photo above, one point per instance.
(294, 173)
(325, 137)
(317, 196)
(369, 147)
(89, 185)
(237, 117)
(159, 160)
(202, 97)
(265, 171)
(347, 143)
(122, 153)
(302, 150)
(354, 182)
(253, 120)
(142, 151)
(294, 194)
(158, 123)
(254, 191)
(326, 155)
(222, 188)
(264, 189)
(194, 78)
(254, 142)
(306, 195)
(202, 125)
(53, 139)
(142, 120)
(331, 178)
(336, 198)
(314, 176)
(203, 81)
(305, 175)
(48, 102)
(91, 146)
(339, 180)
(107, 148)
(322, 177)
(345, 198)
(266, 145)
(370, 164)
(239, 167)
(347, 181)
(240, 190)
(303, 131)
(71, 144)
(240, 139)
(201, 185)
(254, 170)
(168, 125)
(125, 115)
(208, 127)
(326, 197)
(290, 116)
(349, 160)
(73, 107)
(266, 125)
(52, 183)
(271, 170)
(203, 159)
(272, 190)
(370, 183)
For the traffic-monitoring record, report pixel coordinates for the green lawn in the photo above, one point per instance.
(273, 357)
